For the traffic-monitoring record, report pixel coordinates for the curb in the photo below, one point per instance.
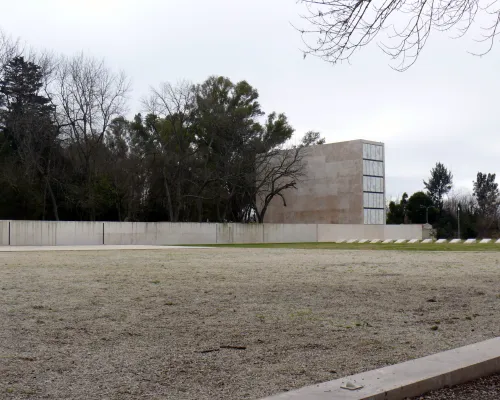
(411, 378)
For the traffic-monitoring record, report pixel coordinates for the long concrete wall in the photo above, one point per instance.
(159, 233)
(46, 233)
(332, 233)
(186, 233)
(51, 233)
(4, 233)
(240, 233)
(290, 233)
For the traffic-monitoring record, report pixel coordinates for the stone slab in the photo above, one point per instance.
(413, 241)
(375, 241)
(427, 241)
(484, 241)
(470, 241)
(387, 241)
(453, 241)
(400, 241)
(340, 241)
(411, 378)
(352, 241)
(498, 241)
(363, 241)
(441, 241)
(94, 248)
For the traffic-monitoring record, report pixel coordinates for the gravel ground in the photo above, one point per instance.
(230, 323)
(482, 389)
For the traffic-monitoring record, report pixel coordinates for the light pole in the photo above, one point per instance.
(426, 213)
(458, 217)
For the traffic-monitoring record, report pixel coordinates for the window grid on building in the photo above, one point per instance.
(373, 184)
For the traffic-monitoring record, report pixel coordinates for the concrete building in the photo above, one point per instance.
(343, 184)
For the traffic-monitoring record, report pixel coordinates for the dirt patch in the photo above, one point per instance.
(230, 323)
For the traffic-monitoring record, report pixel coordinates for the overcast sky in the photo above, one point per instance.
(444, 108)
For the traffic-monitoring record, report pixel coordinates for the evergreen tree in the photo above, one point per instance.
(439, 184)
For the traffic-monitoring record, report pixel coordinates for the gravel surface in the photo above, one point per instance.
(482, 389)
(230, 323)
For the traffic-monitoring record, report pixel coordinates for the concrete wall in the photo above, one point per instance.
(44, 233)
(186, 233)
(240, 233)
(130, 233)
(158, 233)
(4, 233)
(403, 232)
(332, 233)
(51, 233)
(290, 233)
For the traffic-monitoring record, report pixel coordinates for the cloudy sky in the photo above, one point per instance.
(442, 109)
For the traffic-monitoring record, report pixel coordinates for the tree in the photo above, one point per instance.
(88, 97)
(439, 184)
(227, 138)
(487, 196)
(419, 208)
(276, 171)
(312, 138)
(397, 212)
(28, 129)
(448, 223)
(9, 49)
(337, 28)
(170, 108)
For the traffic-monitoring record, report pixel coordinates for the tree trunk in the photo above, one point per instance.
(169, 197)
(55, 209)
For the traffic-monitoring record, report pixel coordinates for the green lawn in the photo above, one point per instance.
(368, 246)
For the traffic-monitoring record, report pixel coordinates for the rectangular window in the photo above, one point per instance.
(373, 152)
(373, 184)
(373, 200)
(374, 168)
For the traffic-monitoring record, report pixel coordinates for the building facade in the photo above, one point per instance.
(343, 183)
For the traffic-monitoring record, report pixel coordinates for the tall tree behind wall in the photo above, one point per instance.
(88, 96)
(30, 138)
(488, 199)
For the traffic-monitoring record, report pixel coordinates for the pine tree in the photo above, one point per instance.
(439, 184)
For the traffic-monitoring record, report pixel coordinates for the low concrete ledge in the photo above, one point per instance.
(411, 378)
(101, 247)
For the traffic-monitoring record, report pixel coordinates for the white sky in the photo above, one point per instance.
(441, 109)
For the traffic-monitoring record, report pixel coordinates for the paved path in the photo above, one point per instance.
(93, 248)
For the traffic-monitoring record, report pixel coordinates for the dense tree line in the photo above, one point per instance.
(195, 152)
(475, 214)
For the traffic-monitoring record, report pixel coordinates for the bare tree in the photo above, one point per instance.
(88, 96)
(276, 171)
(9, 48)
(340, 27)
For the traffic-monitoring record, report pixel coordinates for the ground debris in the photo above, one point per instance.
(208, 351)
(233, 347)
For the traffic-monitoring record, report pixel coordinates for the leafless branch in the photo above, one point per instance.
(337, 28)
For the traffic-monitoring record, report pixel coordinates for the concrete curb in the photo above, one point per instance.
(411, 378)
